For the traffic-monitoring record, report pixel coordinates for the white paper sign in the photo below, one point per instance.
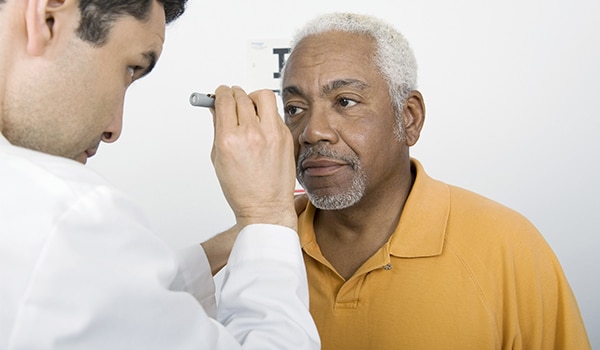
(265, 61)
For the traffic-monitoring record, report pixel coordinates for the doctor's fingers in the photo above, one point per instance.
(266, 106)
(270, 121)
(246, 109)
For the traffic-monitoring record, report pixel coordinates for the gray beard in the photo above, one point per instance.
(346, 198)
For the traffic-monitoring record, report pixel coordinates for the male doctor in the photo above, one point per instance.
(79, 265)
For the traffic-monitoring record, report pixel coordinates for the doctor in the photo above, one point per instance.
(79, 265)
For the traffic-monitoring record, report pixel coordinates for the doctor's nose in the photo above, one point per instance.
(113, 130)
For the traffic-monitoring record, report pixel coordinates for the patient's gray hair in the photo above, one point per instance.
(393, 55)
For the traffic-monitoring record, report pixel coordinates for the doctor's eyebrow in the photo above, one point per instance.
(150, 57)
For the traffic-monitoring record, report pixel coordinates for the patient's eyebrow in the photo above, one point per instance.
(292, 90)
(327, 88)
(340, 83)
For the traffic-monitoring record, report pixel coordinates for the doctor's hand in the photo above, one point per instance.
(219, 247)
(253, 156)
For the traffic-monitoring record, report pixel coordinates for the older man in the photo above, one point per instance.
(396, 259)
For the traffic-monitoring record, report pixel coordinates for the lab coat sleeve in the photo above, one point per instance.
(103, 281)
(259, 282)
(195, 277)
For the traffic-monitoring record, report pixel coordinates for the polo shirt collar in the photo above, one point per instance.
(422, 227)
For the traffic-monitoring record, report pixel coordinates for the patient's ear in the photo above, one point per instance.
(43, 18)
(413, 117)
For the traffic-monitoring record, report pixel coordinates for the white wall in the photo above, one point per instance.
(512, 90)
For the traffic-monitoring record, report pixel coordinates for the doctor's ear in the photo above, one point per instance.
(44, 18)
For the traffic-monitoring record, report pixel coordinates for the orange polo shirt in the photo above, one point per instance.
(459, 272)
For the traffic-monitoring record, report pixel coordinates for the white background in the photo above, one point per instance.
(512, 90)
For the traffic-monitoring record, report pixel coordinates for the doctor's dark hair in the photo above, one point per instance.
(98, 16)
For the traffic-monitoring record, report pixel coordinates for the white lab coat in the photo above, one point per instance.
(80, 269)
